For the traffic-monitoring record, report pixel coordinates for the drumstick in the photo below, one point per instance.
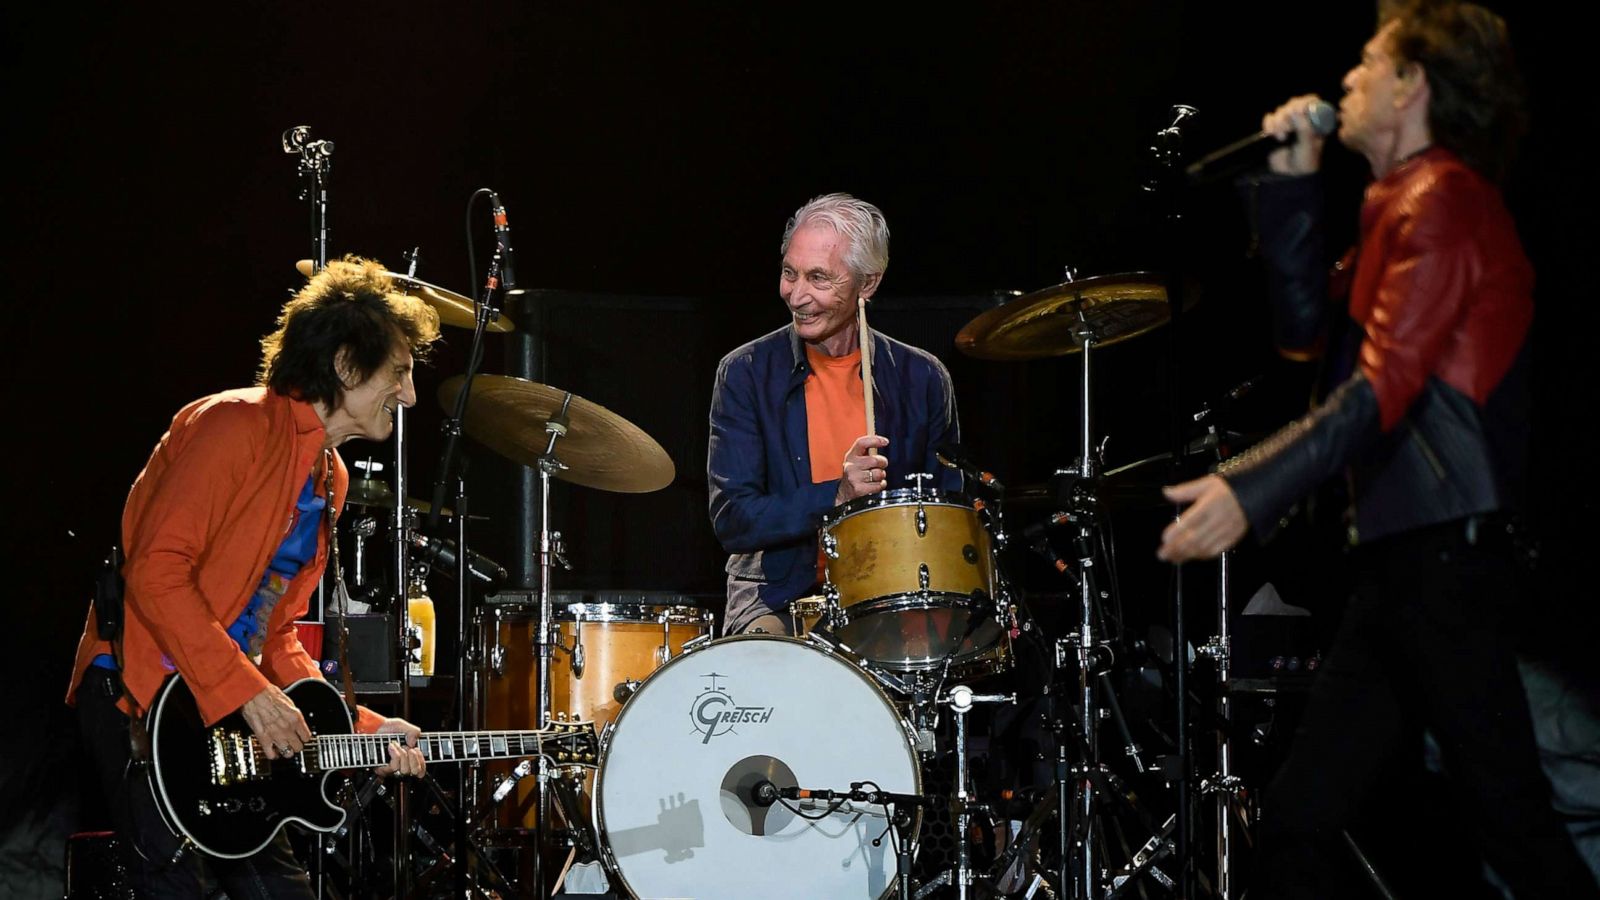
(866, 368)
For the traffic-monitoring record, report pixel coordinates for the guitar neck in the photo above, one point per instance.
(348, 751)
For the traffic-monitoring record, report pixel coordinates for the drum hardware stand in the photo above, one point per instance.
(961, 699)
(895, 808)
(1218, 649)
(543, 642)
(456, 862)
(1077, 827)
(1085, 882)
(1156, 849)
(1224, 784)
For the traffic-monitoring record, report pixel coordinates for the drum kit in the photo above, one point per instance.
(775, 766)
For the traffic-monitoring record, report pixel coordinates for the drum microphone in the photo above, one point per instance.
(1320, 113)
(952, 456)
(765, 793)
(502, 239)
(798, 793)
(856, 794)
(624, 689)
(1039, 543)
(442, 553)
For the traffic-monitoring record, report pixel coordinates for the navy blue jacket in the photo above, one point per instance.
(764, 507)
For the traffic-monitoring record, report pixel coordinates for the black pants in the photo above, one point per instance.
(1423, 643)
(272, 872)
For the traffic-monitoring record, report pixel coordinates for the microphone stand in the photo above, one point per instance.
(1168, 186)
(485, 312)
(316, 158)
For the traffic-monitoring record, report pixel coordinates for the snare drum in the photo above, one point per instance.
(680, 764)
(908, 571)
(601, 646)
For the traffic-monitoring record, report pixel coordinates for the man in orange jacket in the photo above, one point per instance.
(225, 537)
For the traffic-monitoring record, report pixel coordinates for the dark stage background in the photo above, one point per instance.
(649, 155)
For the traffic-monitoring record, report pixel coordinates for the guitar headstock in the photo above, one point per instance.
(571, 742)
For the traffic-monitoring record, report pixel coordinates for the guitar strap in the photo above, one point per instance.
(341, 595)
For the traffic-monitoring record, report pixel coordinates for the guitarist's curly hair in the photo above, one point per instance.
(351, 305)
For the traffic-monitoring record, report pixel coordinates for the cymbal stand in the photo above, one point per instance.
(543, 646)
(1084, 881)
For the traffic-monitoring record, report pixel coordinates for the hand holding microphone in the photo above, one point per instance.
(1303, 125)
(1291, 138)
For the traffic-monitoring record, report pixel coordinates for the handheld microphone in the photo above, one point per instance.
(502, 239)
(1321, 114)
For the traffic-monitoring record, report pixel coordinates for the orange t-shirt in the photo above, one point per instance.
(836, 414)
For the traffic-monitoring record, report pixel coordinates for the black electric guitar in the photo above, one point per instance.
(216, 787)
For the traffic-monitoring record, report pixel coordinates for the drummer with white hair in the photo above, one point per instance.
(789, 436)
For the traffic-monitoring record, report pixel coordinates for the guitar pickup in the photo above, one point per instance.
(234, 758)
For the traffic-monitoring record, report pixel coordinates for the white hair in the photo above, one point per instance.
(861, 225)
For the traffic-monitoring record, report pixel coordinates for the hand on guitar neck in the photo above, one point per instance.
(865, 471)
(404, 756)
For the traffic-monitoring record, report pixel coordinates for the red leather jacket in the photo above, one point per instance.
(1440, 293)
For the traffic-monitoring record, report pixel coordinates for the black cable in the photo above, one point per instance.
(472, 255)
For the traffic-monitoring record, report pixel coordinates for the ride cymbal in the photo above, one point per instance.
(454, 309)
(1054, 321)
(600, 449)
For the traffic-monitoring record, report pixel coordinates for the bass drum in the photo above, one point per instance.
(680, 764)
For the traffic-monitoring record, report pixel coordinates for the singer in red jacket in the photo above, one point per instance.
(1428, 424)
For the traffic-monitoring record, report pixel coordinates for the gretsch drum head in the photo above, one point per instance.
(680, 764)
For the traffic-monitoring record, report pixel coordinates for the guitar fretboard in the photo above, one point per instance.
(346, 751)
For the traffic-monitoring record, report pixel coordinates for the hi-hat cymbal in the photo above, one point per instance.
(370, 492)
(1055, 320)
(454, 309)
(600, 448)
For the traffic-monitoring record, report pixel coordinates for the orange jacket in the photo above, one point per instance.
(202, 521)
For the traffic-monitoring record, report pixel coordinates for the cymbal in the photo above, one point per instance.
(371, 492)
(1046, 322)
(454, 309)
(600, 448)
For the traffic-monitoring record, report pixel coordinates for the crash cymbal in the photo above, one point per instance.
(600, 449)
(1049, 322)
(454, 309)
